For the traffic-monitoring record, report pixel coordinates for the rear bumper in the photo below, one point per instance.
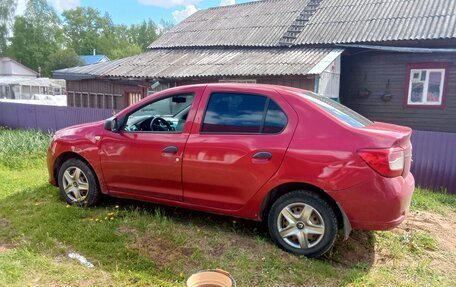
(379, 205)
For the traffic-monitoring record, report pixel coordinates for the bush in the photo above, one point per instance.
(18, 148)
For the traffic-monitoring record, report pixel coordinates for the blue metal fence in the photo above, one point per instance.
(434, 160)
(47, 118)
(434, 153)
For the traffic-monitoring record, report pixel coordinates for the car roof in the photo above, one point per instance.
(247, 86)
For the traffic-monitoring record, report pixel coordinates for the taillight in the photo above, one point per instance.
(387, 162)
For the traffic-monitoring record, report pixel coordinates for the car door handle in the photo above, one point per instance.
(170, 149)
(263, 155)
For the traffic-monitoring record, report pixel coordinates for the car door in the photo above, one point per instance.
(144, 162)
(238, 141)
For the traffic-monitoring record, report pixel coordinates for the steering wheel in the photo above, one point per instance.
(160, 124)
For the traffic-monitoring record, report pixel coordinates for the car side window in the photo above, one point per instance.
(276, 120)
(165, 115)
(242, 113)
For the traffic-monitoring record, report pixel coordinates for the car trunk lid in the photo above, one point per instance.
(393, 136)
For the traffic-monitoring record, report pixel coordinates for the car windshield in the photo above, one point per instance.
(168, 114)
(339, 111)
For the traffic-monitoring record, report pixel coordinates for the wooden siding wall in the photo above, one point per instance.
(296, 82)
(121, 88)
(103, 87)
(380, 73)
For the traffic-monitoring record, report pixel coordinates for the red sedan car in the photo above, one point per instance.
(303, 163)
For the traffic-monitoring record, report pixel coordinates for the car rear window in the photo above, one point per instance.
(339, 111)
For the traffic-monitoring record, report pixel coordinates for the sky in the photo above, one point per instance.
(135, 11)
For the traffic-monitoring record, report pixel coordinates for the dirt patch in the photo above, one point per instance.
(163, 252)
(217, 247)
(361, 250)
(364, 250)
(185, 256)
(5, 247)
(126, 230)
(4, 224)
(441, 229)
(358, 249)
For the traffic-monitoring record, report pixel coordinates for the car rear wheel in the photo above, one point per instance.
(78, 183)
(303, 223)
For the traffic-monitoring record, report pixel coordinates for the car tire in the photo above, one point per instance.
(303, 223)
(78, 183)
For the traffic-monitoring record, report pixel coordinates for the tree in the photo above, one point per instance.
(125, 51)
(7, 8)
(165, 26)
(40, 36)
(144, 34)
(86, 29)
(120, 42)
(62, 59)
(36, 35)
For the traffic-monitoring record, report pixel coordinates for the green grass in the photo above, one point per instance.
(438, 201)
(140, 244)
(19, 149)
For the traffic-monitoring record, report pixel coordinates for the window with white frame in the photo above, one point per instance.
(426, 87)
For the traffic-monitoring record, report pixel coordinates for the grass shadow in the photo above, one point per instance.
(356, 255)
(146, 243)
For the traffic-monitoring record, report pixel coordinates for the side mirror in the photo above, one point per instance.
(111, 124)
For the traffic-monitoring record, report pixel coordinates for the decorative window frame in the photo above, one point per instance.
(436, 66)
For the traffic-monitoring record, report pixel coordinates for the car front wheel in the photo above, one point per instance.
(78, 183)
(303, 223)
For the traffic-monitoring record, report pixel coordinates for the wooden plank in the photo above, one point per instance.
(381, 72)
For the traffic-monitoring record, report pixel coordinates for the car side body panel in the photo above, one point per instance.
(134, 163)
(219, 174)
(219, 169)
(80, 140)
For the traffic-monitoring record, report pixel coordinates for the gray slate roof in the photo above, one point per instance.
(262, 23)
(276, 37)
(183, 63)
(351, 21)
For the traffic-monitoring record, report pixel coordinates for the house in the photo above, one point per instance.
(390, 60)
(93, 59)
(18, 82)
(28, 88)
(12, 68)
